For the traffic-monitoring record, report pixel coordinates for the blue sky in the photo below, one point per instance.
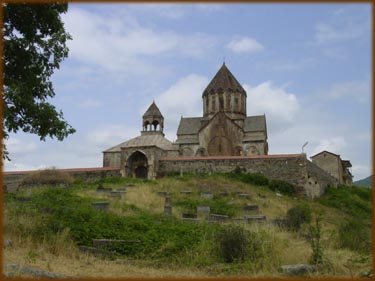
(306, 66)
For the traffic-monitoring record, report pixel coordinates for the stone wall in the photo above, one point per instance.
(293, 168)
(12, 180)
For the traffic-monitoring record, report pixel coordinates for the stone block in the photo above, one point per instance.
(207, 195)
(244, 195)
(249, 208)
(205, 210)
(186, 192)
(194, 220)
(218, 218)
(102, 206)
(297, 269)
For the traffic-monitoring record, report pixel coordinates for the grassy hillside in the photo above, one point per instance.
(366, 182)
(48, 224)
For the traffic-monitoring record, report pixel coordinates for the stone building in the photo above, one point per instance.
(335, 166)
(222, 140)
(223, 130)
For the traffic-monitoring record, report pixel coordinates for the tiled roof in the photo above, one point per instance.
(153, 111)
(231, 157)
(189, 126)
(225, 80)
(255, 123)
(153, 139)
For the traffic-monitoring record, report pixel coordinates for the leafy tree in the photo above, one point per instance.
(34, 44)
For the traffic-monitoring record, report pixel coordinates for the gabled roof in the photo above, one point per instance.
(346, 163)
(153, 111)
(157, 140)
(255, 123)
(325, 151)
(189, 126)
(225, 80)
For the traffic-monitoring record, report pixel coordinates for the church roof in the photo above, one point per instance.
(153, 111)
(153, 139)
(255, 123)
(225, 80)
(189, 126)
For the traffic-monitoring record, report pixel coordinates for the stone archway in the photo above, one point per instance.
(137, 165)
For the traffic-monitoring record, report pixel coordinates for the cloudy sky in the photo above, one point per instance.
(306, 66)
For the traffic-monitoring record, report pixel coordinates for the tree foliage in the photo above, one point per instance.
(34, 45)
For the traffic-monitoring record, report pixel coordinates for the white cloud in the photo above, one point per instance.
(111, 135)
(245, 45)
(90, 103)
(334, 145)
(182, 99)
(361, 171)
(359, 91)
(18, 146)
(279, 105)
(122, 43)
(288, 65)
(342, 26)
(11, 166)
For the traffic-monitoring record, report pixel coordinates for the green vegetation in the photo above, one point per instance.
(353, 200)
(47, 177)
(297, 216)
(59, 219)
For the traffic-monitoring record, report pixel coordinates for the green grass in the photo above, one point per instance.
(51, 211)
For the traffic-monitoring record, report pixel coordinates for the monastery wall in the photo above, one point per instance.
(12, 180)
(293, 168)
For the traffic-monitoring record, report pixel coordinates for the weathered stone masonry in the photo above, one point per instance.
(293, 168)
(12, 180)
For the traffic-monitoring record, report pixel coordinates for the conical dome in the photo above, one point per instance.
(225, 80)
(153, 111)
(224, 93)
(153, 120)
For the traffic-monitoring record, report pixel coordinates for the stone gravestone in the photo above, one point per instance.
(249, 208)
(103, 206)
(203, 210)
(167, 205)
(207, 195)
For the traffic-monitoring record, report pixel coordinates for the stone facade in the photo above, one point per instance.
(293, 168)
(12, 180)
(332, 163)
(221, 140)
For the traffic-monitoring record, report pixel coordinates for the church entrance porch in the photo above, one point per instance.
(137, 165)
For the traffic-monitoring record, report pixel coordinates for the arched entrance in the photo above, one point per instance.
(137, 165)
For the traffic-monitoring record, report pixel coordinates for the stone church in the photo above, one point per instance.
(224, 139)
(223, 130)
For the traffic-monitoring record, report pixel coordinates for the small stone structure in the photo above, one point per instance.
(103, 206)
(167, 205)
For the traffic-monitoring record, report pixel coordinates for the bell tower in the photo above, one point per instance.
(153, 120)
(225, 94)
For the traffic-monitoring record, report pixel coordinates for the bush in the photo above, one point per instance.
(233, 243)
(282, 187)
(355, 235)
(353, 200)
(256, 179)
(297, 216)
(47, 177)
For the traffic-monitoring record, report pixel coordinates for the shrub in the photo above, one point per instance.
(233, 243)
(297, 216)
(353, 200)
(256, 179)
(282, 187)
(355, 235)
(47, 177)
